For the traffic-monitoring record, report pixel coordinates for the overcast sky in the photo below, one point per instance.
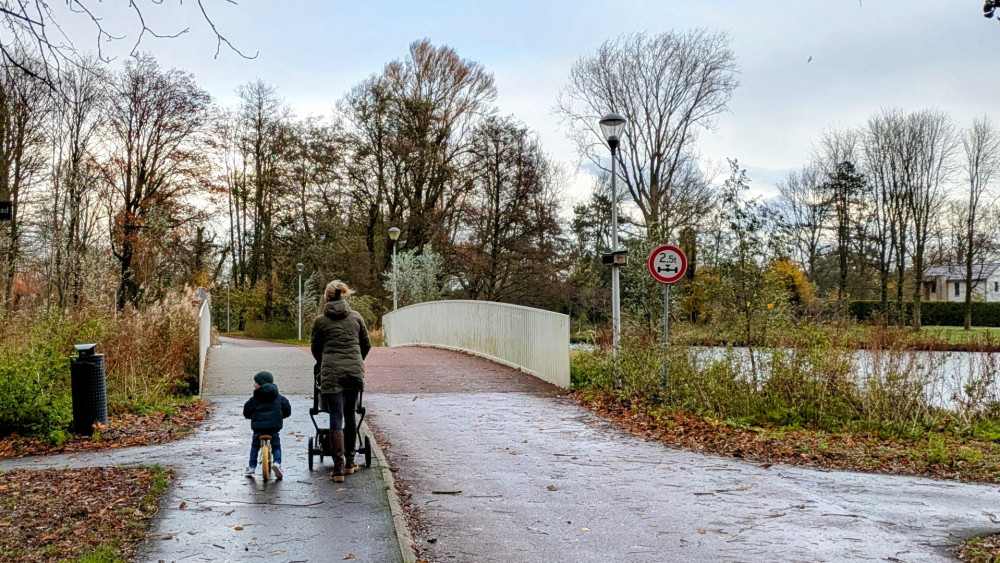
(866, 55)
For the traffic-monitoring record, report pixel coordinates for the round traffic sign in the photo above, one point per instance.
(667, 263)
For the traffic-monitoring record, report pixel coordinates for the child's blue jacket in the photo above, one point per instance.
(267, 409)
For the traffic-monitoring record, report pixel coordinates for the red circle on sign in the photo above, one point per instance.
(665, 273)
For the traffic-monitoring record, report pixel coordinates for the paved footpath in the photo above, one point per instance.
(227, 517)
(503, 469)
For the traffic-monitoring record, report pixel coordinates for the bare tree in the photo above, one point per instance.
(510, 251)
(981, 167)
(24, 107)
(231, 179)
(838, 144)
(409, 127)
(77, 121)
(153, 116)
(934, 144)
(885, 163)
(437, 98)
(375, 171)
(264, 144)
(669, 87)
(804, 208)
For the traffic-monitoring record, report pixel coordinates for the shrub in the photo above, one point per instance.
(588, 369)
(792, 280)
(932, 313)
(34, 394)
(151, 355)
(815, 384)
(270, 331)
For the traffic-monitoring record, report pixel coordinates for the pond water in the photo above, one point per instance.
(951, 380)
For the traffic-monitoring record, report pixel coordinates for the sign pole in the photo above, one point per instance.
(666, 337)
(667, 264)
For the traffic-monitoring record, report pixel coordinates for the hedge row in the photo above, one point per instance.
(932, 313)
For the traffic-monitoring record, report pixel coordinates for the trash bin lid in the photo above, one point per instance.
(83, 350)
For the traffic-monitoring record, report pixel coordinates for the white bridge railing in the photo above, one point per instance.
(204, 338)
(533, 340)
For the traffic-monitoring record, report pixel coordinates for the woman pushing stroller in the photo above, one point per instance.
(340, 344)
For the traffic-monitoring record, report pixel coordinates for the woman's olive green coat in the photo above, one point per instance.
(340, 344)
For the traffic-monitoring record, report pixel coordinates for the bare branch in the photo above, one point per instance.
(28, 25)
(219, 37)
(146, 29)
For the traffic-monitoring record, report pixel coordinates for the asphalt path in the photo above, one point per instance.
(502, 468)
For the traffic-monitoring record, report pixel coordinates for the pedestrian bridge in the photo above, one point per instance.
(532, 340)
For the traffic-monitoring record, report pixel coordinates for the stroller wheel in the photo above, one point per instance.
(368, 452)
(310, 454)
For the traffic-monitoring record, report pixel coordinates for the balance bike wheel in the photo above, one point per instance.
(368, 452)
(265, 465)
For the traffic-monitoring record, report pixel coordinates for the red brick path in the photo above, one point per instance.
(412, 369)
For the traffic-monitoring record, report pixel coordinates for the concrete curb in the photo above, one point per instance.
(403, 535)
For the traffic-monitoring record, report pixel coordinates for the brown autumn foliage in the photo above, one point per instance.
(61, 514)
(935, 456)
(123, 430)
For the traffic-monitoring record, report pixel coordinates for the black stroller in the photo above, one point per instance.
(320, 444)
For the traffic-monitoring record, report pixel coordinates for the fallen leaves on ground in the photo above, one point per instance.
(58, 514)
(958, 459)
(122, 431)
(981, 550)
(415, 521)
(943, 457)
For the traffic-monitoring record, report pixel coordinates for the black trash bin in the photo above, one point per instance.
(90, 397)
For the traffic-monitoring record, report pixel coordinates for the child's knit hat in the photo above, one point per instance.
(263, 377)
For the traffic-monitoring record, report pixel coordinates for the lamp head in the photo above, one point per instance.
(394, 233)
(299, 266)
(989, 7)
(613, 127)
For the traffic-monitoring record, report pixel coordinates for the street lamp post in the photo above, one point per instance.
(612, 126)
(394, 235)
(299, 267)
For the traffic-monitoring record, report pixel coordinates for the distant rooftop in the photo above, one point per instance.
(957, 273)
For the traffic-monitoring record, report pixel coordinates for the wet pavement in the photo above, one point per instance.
(213, 513)
(503, 469)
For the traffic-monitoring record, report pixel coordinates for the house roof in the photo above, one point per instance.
(957, 273)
